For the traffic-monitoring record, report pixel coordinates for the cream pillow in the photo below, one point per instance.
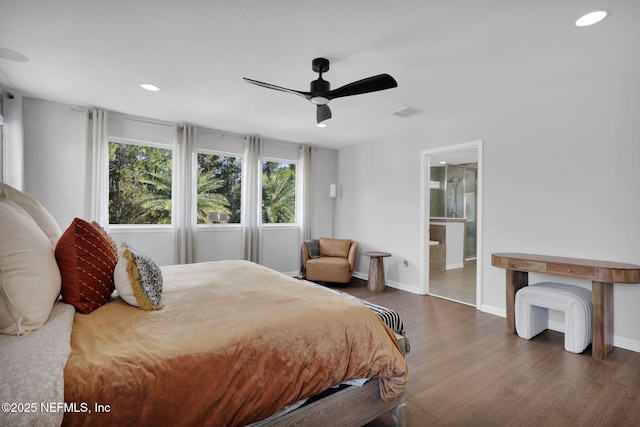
(29, 275)
(36, 211)
(138, 279)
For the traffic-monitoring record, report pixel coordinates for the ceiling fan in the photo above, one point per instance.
(320, 92)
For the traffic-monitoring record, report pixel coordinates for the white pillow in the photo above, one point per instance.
(29, 274)
(36, 211)
(138, 279)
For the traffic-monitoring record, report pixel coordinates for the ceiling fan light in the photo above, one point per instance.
(319, 100)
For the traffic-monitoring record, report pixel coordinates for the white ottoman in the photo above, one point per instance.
(532, 312)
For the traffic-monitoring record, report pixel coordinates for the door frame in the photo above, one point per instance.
(425, 204)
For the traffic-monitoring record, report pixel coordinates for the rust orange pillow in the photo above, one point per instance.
(87, 257)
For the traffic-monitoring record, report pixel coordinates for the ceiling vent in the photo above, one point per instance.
(407, 112)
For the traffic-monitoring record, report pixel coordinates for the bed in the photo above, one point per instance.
(230, 343)
(242, 339)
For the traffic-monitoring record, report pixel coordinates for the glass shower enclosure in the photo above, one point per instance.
(453, 190)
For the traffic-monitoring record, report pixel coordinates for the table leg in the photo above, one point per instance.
(376, 274)
(515, 281)
(601, 319)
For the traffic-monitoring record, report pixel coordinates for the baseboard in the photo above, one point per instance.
(389, 283)
(555, 325)
(403, 287)
(620, 342)
(626, 343)
(361, 276)
(454, 266)
(496, 311)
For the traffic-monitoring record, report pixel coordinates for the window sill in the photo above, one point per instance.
(140, 228)
(219, 227)
(281, 226)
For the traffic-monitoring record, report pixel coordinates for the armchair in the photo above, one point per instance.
(329, 260)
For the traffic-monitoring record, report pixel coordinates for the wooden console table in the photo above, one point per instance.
(603, 275)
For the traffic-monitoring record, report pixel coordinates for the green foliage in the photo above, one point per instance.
(278, 193)
(219, 186)
(139, 184)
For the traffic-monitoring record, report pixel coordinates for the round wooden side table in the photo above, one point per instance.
(376, 281)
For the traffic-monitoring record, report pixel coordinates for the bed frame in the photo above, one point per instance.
(349, 407)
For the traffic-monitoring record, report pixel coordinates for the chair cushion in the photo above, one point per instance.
(334, 247)
(329, 269)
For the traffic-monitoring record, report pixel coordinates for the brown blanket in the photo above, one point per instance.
(234, 343)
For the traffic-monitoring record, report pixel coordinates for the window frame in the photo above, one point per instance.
(124, 228)
(227, 226)
(297, 193)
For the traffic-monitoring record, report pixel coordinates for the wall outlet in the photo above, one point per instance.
(406, 264)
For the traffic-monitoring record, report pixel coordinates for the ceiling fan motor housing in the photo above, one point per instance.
(320, 65)
(319, 87)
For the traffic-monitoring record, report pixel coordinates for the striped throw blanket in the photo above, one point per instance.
(391, 318)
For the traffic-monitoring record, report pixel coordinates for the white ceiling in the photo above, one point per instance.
(450, 58)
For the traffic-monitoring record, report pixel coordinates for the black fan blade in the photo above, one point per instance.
(370, 84)
(305, 95)
(323, 113)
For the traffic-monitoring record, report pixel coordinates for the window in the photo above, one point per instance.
(219, 188)
(278, 192)
(139, 184)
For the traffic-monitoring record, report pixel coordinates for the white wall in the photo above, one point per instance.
(55, 159)
(561, 178)
(378, 205)
(155, 241)
(55, 141)
(324, 174)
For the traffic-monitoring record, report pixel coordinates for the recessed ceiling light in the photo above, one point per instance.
(591, 18)
(149, 87)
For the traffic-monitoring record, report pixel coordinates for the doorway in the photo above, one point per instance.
(451, 190)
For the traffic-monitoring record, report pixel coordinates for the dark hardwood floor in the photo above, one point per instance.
(458, 284)
(466, 370)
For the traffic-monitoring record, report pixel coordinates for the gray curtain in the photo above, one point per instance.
(184, 190)
(307, 191)
(12, 141)
(252, 196)
(97, 185)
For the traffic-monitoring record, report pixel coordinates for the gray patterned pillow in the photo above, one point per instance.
(138, 279)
